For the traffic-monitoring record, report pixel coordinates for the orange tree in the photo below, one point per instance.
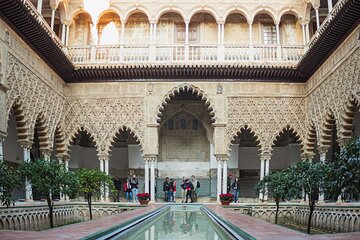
(9, 180)
(49, 177)
(92, 182)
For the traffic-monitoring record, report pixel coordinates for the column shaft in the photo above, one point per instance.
(329, 2)
(102, 190)
(218, 186)
(277, 33)
(39, 6)
(224, 190)
(63, 31)
(1, 151)
(122, 34)
(52, 19)
(154, 30)
(67, 35)
(222, 33)
(28, 187)
(146, 176)
(106, 170)
(152, 180)
(262, 170)
(303, 33)
(307, 33)
(151, 34)
(317, 18)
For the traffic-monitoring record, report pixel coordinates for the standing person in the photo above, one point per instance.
(127, 190)
(236, 189)
(183, 189)
(166, 189)
(174, 188)
(229, 183)
(171, 191)
(194, 182)
(134, 187)
(189, 189)
(117, 185)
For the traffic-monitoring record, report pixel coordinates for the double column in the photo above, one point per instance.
(63, 159)
(222, 183)
(264, 170)
(150, 162)
(26, 146)
(104, 167)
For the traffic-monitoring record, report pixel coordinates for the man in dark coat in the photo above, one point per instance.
(117, 185)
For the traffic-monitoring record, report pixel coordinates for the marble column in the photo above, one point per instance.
(317, 18)
(186, 41)
(267, 163)
(152, 179)
(146, 176)
(67, 35)
(307, 30)
(102, 190)
(219, 177)
(39, 6)
(224, 187)
(63, 32)
(26, 158)
(1, 150)
(262, 171)
(52, 18)
(303, 33)
(251, 47)
(329, 2)
(106, 170)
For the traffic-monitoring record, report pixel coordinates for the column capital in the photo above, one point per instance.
(26, 144)
(222, 157)
(250, 22)
(46, 152)
(265, 156)
(307, 156)
(323, 149)
(66, 22)
(150, 158)
(343, 141)
(218, 124)
(104, 156)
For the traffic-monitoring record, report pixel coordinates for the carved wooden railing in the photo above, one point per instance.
(116, 54)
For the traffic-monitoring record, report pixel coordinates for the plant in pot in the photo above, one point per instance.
(226, 198)
(144, 198)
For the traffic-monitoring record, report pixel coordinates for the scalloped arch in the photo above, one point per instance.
(123, 127)
(236, 133)
(72, 135)
(189, 87)
(277, 133)
(41, 124)
(22, 122)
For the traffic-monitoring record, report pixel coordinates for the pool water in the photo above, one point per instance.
(178, 222)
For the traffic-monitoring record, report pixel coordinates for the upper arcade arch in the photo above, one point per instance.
(237, 10)
(186, 87)
(76, 12)
(264, 10)
(137, 9)
(166, 10)
(204, 9)
(290, 11)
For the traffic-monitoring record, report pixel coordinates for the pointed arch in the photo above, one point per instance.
(72, 136)
(41, 126)
(238, 132)
(287, 127)
(327, 127)
(347, 117)
(22, 123)
(186, 87)
(123, 128)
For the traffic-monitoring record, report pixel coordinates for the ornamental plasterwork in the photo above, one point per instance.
(38, 100)
(104, 117)
(330, 98)
(266, 117)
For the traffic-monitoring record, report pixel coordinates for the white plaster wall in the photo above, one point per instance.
(135, 158)
(81, 157)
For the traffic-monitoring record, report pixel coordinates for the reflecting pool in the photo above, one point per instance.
(179, 222)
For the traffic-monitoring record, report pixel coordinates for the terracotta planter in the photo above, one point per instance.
(225, 203)
(143, 201)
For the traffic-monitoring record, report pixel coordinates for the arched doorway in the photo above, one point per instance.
(186, 142)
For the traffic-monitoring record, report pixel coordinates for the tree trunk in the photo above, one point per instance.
(311, 208)
(89, 203)
(277, 210)
(51, 208)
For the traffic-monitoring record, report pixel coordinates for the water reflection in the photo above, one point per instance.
(175, 225)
